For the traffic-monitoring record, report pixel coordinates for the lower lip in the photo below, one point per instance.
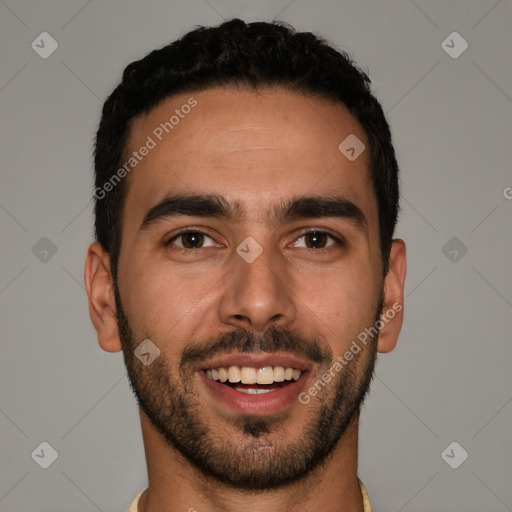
(257, 405)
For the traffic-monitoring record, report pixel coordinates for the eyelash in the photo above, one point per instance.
(185, 232)
(337, 239)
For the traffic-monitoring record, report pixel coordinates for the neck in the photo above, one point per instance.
(176, 485)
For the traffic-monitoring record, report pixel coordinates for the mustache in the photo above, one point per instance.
(272, 340)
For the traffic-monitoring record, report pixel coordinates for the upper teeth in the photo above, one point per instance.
(249, 375)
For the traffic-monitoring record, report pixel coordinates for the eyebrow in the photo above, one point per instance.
(214, 206)
(319, 207)
(192, 205)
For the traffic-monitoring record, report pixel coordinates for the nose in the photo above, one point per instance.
(258, 295)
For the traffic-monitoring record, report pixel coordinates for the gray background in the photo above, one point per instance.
(449, 378)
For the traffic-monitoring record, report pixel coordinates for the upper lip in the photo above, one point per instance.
(256, 360)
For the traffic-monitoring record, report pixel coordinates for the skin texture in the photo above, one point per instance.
(257, 150)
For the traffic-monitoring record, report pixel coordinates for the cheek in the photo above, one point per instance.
(341, 302)
(161, 300)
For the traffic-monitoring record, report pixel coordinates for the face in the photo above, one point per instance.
(250, 258)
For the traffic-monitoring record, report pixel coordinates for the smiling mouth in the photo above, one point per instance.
(254, 381)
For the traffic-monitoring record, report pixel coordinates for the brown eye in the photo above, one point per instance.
(315, 240)
(191, 240)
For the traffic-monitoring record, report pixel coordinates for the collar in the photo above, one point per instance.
(366, 500)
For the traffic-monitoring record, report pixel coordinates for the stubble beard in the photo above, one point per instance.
(257, 456)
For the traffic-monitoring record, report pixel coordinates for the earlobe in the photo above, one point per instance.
(392, 311)
(100, 295)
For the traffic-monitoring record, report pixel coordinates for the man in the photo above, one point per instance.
(246, 199)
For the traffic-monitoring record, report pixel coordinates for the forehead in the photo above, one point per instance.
(250, 147)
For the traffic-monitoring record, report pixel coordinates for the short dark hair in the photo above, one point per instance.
(249, 55)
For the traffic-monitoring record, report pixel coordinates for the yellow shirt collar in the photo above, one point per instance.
(366, 500)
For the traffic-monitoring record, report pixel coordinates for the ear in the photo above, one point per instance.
(100, 294)
(393, 309)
